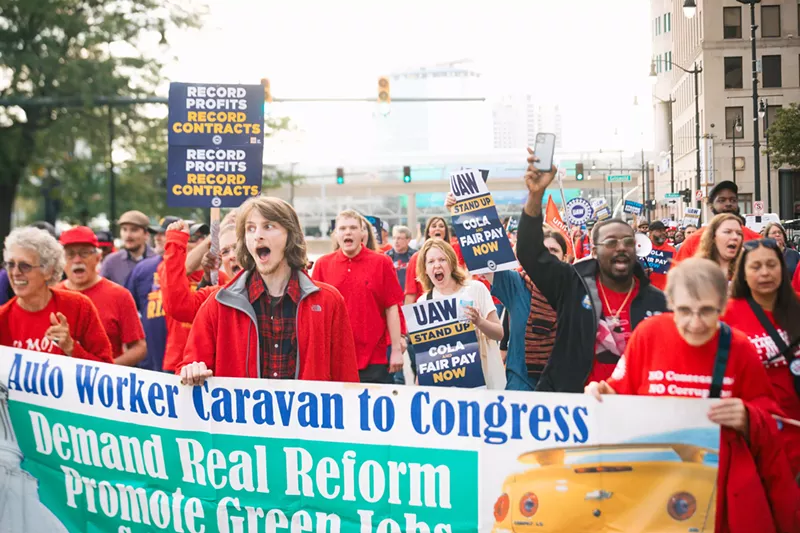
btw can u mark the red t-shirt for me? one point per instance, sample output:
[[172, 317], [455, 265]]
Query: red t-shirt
[[654, 261], [369, 285], [117, 312], [658, 362], [24, 329], [612, 338], [739, 315]]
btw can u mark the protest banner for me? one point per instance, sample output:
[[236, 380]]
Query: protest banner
[[377, 225], [97, 447], [659, 261], [216, 144], [601, 209], [445, 343], [691, 217], [632, 208], [553, 219], [483, 240]]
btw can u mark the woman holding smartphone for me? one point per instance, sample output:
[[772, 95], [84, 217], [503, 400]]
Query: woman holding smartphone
[[441, 277]]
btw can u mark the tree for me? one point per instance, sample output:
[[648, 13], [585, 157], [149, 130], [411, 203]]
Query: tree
[[784, 137], [58, 50]]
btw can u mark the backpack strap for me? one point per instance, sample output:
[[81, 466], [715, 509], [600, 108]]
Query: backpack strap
[[721, 361]]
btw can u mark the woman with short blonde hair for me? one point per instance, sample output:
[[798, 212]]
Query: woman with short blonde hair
[[441, 277]]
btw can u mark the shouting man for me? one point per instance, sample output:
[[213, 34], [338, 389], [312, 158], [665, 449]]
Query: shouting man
[[598, 301]]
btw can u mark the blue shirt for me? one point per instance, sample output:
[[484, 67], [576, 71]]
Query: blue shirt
[[792, 258], [118, 266], [509, 287], [143, 283]]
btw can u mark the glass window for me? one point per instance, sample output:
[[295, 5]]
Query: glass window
[[733, 73], [731, 115], [772, 113], [732, 22], [770, 21], [771, 71], [668, 22]]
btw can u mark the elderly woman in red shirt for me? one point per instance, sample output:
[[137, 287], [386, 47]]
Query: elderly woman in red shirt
[[756, 489], [39, 317]]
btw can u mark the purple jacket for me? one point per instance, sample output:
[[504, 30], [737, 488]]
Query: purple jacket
[[5, 287]]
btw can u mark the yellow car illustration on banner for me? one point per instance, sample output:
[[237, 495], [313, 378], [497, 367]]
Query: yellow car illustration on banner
[[635, 488]]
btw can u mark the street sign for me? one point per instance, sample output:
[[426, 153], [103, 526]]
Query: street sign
[[671, 195], [758, 208], [619, 178], [698, 195]]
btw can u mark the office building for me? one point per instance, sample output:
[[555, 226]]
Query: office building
[[517, 118], [717, 39]]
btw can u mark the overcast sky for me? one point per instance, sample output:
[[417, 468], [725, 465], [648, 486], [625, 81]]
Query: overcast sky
[[590, 57]]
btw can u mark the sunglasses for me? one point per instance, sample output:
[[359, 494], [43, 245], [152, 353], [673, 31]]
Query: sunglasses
[[611, 244], [767, 243], [25, 268]]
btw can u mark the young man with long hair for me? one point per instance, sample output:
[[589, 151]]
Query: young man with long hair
[[271, 321]]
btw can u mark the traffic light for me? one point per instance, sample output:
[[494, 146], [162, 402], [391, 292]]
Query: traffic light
[[579, 171], [340, 176], [384, 96], [406, 174], [686, 195], [267, 91]]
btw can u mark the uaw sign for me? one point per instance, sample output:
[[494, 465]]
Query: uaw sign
[[481, 235], [445, 344], [216, 144], [579, 211]]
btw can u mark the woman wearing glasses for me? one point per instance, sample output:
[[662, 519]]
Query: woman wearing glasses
[[756, 490], [39, 317], [765, 308], [721, 242]]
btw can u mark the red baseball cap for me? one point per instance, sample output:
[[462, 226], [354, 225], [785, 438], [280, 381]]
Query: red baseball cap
[[79, 235]]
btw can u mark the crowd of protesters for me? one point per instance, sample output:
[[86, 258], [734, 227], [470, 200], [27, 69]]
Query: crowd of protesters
[[582, 313]]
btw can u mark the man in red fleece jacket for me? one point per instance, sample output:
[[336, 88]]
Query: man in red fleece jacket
[[271, 321]]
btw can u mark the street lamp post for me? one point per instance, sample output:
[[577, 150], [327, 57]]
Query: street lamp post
[[737, 129], [696, 73], [756, 143], [762, 112]]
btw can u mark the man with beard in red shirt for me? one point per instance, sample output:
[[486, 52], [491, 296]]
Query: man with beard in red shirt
[[659, 260]]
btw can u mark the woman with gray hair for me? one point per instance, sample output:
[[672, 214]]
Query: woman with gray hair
[[39, 317]]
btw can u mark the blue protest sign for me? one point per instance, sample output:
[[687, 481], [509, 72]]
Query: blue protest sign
[[215, 115], [633, 208], [213, 177], [659, 261], [446, 346], [579, 211], [216, 144], [481, 235], [377, 225]]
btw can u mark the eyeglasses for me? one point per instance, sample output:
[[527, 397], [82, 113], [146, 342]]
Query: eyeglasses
[[768, 243], [85, 253], [25, 268], [611, 244], [704, 313]]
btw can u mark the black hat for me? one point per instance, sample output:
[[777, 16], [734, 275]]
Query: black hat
[[48, 227], [105, 239], [163, 224], [657, 225], [199, 228], [723, 186]]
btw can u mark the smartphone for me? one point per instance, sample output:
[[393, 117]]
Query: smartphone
[[544, 149]]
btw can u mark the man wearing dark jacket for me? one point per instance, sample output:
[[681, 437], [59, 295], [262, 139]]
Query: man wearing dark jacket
[[599, 301]]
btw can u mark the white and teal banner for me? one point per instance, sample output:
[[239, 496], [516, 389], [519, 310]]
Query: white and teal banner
[[100, 448]]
